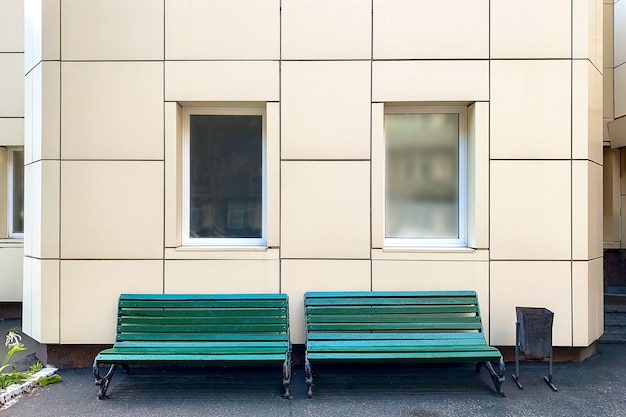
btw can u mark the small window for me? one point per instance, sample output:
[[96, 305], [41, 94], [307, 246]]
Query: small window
[[15, 188], [425, 177], [224, 177]]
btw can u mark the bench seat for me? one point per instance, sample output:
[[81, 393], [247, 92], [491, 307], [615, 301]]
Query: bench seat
[[393, 326], [196, 329]]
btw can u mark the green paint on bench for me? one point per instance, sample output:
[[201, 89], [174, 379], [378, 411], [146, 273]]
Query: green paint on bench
[[162, 329], [402, 326]]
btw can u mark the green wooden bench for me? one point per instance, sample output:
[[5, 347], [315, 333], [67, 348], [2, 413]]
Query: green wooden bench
[[441, 326], [175, 329]]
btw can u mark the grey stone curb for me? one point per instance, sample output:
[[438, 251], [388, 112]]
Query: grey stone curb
[[15, 390]]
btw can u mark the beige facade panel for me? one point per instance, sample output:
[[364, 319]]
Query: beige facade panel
[[325, 209], [174, 170], [11, 85], [12, 26], [4, 224], [42, 32], [272, 153], [43, 112], [222, 276], [173, 174], [44, 304], [551, 34], [44, 188], [11, 259], [430, 81], [611, 201], [326, 29], [430, 254], [246, 29], [531, 210], [587, 30], [607, 93], [619, 34], [111, 210], [586, 111], [587, 228], [607, 36], [325, 110], [587, 302], [97, 93], [530, 284], [405, 29], [620, 88], [221, 81], [300, 276], [388, 275], [478, 175], [378, 175], [112, 30], [86, 321], [27, 303], [11, 132], [196, 253], [525, 91]]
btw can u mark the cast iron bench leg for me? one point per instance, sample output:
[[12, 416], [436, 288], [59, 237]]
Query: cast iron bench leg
[[309, 377], [287, 376], [103, 381], [497, 377]]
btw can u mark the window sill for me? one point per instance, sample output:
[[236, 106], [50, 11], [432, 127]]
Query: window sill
[[431, 254], [12, 242], [221, 252]]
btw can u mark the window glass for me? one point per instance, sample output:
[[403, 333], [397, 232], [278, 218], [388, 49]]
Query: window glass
[[225, 176], [422, 181]]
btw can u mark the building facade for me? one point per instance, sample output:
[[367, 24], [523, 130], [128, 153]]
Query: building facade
[[181, 146]]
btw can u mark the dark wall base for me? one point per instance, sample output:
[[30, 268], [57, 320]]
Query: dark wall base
[[10, 310], [73, 356], [81, 356]]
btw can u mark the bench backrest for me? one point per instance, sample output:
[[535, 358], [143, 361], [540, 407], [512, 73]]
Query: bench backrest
[[202, 317], [348, 314]]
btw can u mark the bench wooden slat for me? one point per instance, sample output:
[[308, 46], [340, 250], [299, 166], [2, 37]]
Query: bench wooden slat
[[390, 326], [388, 294], [320, 345], [178, 358], [387, 301], [183, 321], [204, 350], [201, 336], [229, 328], [394, 309], [394, 318], [392, 336], [201, 304], [204, 312], [423, 356]]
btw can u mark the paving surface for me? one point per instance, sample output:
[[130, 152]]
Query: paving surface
[[595, 387]]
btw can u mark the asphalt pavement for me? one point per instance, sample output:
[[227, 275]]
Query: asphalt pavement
[[595, 387]]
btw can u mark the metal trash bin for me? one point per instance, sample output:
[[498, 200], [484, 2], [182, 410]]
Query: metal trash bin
[[533, 338]]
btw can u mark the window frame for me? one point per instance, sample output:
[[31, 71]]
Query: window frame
[[432, 243], [187, 240], [10, 191]]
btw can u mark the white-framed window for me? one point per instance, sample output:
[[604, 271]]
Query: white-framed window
[[15, 192], [425, 176], [224, 176]]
